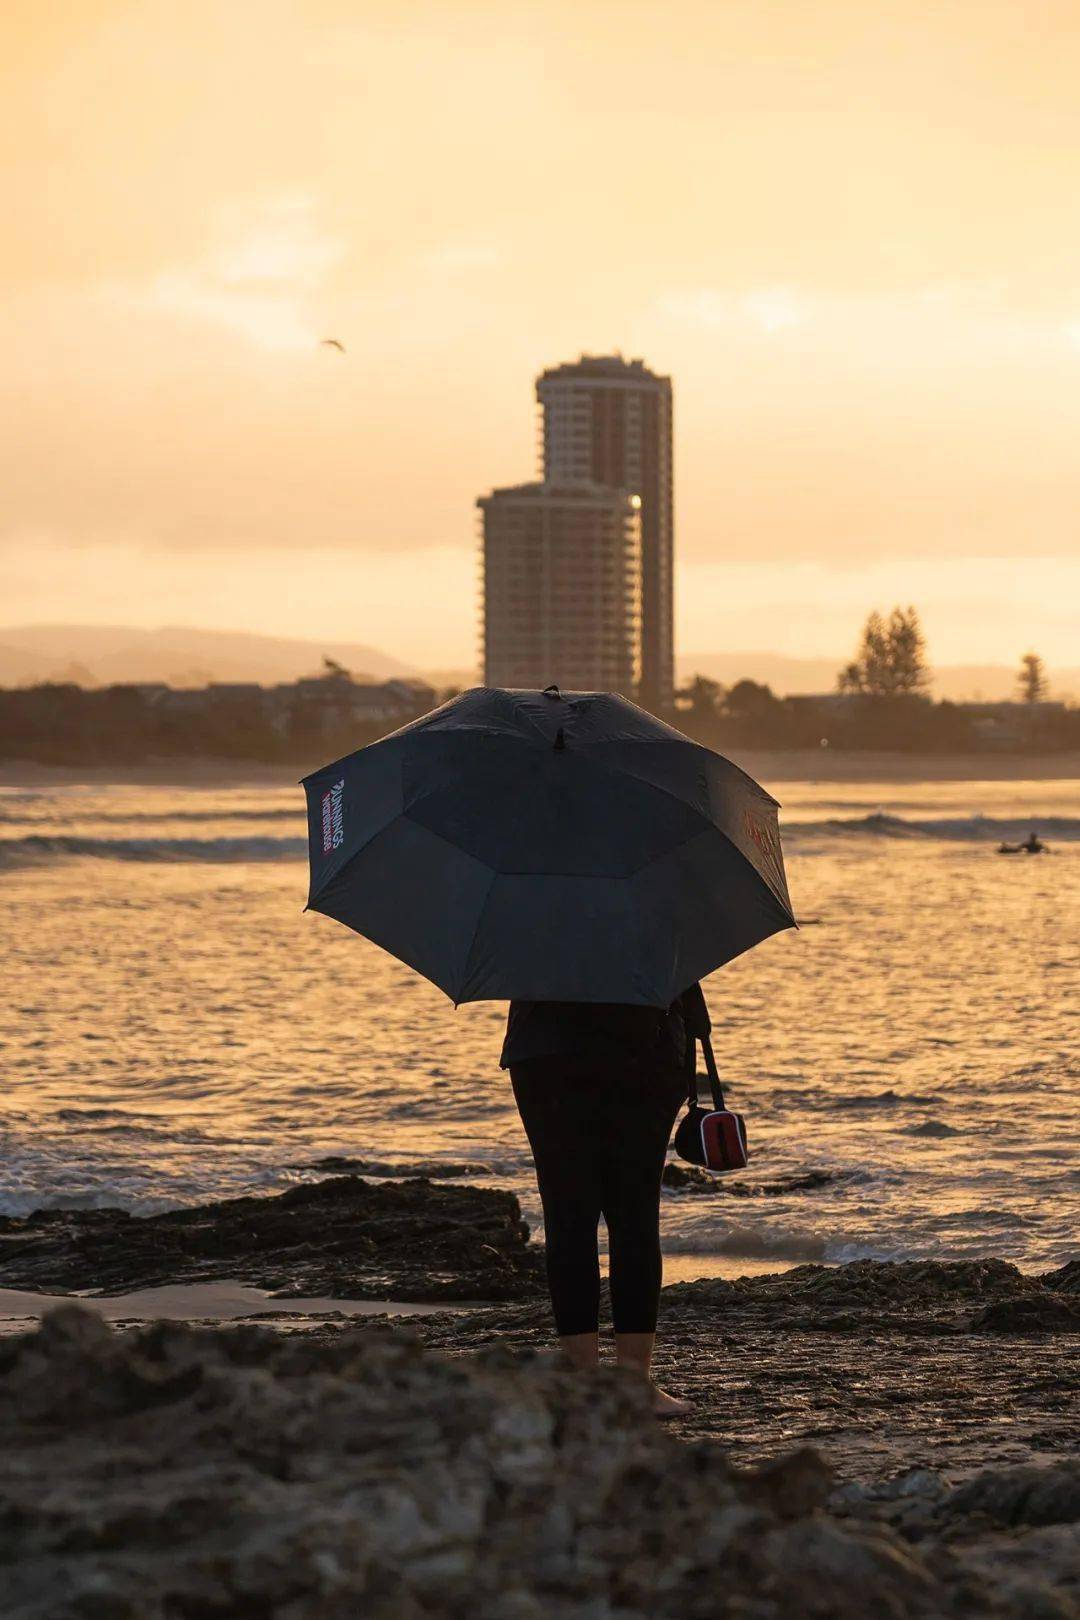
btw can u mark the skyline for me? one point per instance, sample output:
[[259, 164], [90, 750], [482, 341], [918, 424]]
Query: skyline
[[859, 272], [181, 656]]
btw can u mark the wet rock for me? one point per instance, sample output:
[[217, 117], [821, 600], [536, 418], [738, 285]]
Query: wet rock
[[1020, 1496], [875, 1365], [344, 1237], [688, 1178], [428, 1169], [295, 1479], [793, 1485], [1034, 1313], [1065, 1280]]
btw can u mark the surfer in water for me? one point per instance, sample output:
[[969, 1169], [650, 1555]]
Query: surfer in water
[[1032, 845]]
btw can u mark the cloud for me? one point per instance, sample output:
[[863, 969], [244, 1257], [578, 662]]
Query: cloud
[[955, 322], [773, 308], [770, 309], [261, 281], [450, 257], [280, 243]]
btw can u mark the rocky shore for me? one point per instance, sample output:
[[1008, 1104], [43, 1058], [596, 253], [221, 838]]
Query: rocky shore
[[346, 1237], [870, 1439], [182, 1472]]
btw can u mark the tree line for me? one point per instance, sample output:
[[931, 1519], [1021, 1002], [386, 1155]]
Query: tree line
[[882, 700]]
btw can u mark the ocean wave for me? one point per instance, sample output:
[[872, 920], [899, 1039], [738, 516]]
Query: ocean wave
[[396, 1169], [956, 829], [751, 1243], [40, 849], [151, 817]]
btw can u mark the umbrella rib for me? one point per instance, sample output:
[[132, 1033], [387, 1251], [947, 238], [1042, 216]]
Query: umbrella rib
[[784, 904], [621, 770], [472, 942]]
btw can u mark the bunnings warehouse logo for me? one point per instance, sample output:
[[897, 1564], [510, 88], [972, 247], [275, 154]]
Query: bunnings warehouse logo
[[333, 826]]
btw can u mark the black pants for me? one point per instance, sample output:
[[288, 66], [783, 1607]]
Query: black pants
[[599, 1137]]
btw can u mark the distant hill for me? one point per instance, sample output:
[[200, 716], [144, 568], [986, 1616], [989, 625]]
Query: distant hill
[[990, 682], [101, 654], [96, 655]]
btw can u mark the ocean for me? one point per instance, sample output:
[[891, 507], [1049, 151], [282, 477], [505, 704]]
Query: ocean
[[174, 1028]]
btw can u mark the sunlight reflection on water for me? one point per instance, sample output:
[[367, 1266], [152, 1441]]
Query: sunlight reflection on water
[[172, 1028]]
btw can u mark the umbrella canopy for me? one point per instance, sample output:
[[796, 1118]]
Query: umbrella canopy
[[547, 846]]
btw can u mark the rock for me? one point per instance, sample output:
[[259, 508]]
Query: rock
[[1065, 1280], [689, 1178], [427, 1169], [1020, 1496], [1034, 1313], [344, 1237], [873, 1364], [793, 1485], [301, 1480]]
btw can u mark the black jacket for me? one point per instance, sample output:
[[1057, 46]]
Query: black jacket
[[604, 1031]]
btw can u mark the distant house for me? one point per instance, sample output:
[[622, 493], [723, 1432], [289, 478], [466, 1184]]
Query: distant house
[[145, 691], [328, 703], [1010, 724], [235, 692]]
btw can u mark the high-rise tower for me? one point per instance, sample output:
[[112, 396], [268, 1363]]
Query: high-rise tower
[[608, 421], [562, 587]]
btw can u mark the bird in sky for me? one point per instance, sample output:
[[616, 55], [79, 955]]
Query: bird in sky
[[332, 343]]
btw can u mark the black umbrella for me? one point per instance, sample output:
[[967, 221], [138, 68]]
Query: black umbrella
[[548, 847]]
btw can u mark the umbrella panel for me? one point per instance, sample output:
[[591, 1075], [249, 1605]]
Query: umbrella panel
[[538, 809]]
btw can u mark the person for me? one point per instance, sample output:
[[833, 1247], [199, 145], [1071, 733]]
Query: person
[[1033, 844], [598, 1087]]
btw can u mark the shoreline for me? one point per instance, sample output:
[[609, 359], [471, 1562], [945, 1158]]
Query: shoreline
[[224, 1300], [792, 765]]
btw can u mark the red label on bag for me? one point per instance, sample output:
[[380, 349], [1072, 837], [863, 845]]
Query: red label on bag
[[724, 1141]]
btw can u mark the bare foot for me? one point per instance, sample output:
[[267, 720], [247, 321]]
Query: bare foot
[[669, 1406]]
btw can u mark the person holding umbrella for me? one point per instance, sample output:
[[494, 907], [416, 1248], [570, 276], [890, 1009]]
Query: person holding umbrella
[[598, 1088], [590, 864]]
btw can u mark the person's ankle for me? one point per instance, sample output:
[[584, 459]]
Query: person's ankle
[[635, 1350], [582, 1350]]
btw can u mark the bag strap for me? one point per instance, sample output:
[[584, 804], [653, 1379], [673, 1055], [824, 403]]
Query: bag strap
[[711, 1069]]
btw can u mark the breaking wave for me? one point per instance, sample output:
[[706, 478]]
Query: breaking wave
[[39, 849], [230, 813], [738, 1242], [958, 829]]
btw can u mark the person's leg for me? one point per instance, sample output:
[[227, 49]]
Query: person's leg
[[556, 1114], [640, 1112]]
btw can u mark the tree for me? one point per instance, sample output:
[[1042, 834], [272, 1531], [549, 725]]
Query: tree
[[1032, 679], [701, 696], [891, 660], [751, 701], [333, 671]]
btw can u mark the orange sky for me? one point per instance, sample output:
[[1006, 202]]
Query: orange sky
[[848, 230]]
